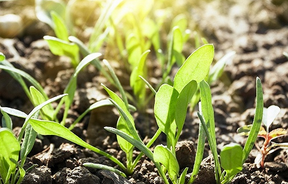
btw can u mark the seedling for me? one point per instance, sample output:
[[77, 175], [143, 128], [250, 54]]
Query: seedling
[[44, 127], [170, 110], [269, 114], [232, 155]]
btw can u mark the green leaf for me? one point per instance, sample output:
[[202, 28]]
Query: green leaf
[[245, 130], [136, 83], [14, 112], [196, 67], [104, 167], [177, 47], [139, 144], [134, 50], [6, 120], [72, 85], [183, 101], [63, 48], [28, 142], [45, 127], [168, 160], [2, 57], [208, 115], [124, 112], [9, 149], [124, 145], [256, 122], [231, 158], [38, 98], [164, 108], [101, 22], [60, 28], [44, 7], [182, 177]]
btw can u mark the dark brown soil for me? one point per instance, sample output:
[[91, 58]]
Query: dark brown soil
[[256, 30]]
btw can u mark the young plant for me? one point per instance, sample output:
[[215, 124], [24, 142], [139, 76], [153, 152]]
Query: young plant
[[269, 114], [48, 113], [43, 127], [11, 147], [170, 110], [232, 155]]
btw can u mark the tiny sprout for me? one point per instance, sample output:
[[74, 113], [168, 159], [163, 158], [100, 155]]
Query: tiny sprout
[[269, 115]]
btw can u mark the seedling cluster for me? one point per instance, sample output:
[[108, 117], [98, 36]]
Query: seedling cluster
[[269, 114], [172, 97]]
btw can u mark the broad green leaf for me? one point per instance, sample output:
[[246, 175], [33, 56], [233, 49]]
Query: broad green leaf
[[60, 28], [182, 103], [28, 142], [231, 161], [231, 158], [136, 83], [196, 67], [38, 98], [45, 127], [9, 149], [269, 114], [44, 7], [134, 50], [164, 108], [256, 122], [63, 48], [2, 56], [6, 120], [168, 160]]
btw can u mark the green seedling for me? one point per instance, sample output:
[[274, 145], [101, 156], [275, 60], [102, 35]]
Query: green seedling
[[269, 114], [171, 103], [45, 127], [11, 147], [232, 155], [57, 15]]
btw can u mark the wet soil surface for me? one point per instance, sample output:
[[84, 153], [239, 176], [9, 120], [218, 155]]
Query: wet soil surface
[[258, 37]]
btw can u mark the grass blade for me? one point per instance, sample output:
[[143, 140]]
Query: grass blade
[[256, 122]]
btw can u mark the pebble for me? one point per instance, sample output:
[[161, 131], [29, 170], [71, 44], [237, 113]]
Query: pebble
[[10, 25]]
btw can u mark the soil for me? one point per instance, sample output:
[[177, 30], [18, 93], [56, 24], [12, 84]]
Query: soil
[[256, 30]]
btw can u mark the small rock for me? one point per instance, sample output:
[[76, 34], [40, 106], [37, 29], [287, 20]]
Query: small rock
[[40, 174], [185, 153], [10, 25]]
